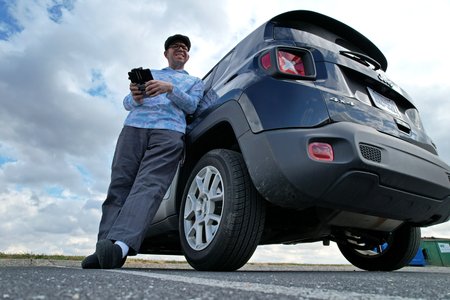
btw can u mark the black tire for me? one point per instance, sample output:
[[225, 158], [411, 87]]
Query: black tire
[[238, 213], [400, 248]]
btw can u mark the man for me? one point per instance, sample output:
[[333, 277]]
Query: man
[[146, 157]]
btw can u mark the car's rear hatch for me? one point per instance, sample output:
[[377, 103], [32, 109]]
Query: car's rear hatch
[[350, 72]]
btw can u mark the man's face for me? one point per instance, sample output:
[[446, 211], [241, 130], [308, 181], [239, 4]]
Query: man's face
[[177, 54]]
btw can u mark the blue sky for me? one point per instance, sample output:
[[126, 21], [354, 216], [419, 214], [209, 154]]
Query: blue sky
[[8, 24], [63, 76]]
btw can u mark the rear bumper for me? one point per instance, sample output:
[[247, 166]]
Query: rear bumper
[[373, 173]]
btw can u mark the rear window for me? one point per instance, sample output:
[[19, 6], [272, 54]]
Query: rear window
[[314, 35]]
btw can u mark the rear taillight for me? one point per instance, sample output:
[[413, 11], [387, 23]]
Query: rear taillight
[[321, 151], [290, 63], [266, 61], [297, 63]]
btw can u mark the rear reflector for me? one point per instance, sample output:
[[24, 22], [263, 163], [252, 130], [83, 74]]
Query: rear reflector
[[321, 151]]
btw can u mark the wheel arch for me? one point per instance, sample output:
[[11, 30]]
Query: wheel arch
[[220, 129]]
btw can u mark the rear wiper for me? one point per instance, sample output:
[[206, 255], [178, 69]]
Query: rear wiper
[[362, 58]]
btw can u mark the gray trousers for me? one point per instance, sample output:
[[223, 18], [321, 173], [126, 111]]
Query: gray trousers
[[144, 164]]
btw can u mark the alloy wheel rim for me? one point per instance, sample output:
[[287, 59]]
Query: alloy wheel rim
[[204, 208]]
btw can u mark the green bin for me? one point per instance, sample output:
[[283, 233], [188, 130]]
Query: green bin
[[436, 251]]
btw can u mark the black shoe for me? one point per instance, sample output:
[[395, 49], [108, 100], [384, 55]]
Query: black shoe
[[90, 262], [109, 255]]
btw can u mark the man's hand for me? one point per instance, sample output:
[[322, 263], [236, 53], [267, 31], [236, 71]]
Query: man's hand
[[157, 87], [138, 96]]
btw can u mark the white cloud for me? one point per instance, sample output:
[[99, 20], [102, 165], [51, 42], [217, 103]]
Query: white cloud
[[59, 136], [314, 253], [42, 224]]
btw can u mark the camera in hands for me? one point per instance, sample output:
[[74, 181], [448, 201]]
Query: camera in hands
[[140, 76]]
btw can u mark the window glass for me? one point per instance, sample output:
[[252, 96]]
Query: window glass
[[314, 35], [212, 82], [222, 69], [208, 80]]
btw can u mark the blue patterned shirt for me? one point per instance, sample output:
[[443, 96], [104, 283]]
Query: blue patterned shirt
[[166, 111]]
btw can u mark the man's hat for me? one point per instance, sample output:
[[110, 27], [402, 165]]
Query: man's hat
[[177, 38]]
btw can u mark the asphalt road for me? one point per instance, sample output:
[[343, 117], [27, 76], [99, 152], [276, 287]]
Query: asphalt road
[[66, 280]]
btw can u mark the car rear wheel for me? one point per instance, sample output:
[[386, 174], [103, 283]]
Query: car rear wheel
[[221, 215], [395, 252]]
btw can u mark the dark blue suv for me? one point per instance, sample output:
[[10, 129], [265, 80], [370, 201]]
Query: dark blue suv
[[301, 137]]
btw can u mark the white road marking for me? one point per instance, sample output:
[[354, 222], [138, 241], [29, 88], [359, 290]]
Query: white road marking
[[262, 288]]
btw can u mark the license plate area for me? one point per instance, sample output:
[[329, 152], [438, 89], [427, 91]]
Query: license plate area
[[384, 103]]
